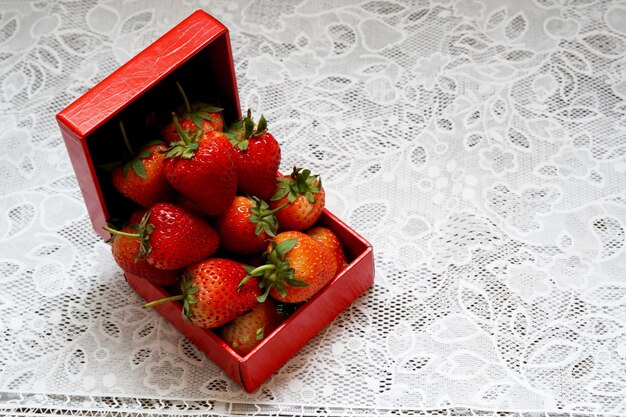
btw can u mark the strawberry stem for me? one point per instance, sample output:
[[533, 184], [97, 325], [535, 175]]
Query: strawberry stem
[[187, 146], [276, 272], [120, 233], [182, 93], [125, 137], [164, 300], [279, 208], [183, 135], [261, 269]]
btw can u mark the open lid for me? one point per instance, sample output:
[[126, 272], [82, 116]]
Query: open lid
[[196, 53]]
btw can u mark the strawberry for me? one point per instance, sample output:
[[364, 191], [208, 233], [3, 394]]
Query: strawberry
[[172, 238], [201, 167], [184, 202], [142, 179], [247, 331], [327, 238], [170, 134], [296, 267], [194, 116], [211, 293], [304, 197], [258, 157], [246, 225], [125, 251], [136, 216]]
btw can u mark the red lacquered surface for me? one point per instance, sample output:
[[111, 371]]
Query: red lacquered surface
[[87, 179]]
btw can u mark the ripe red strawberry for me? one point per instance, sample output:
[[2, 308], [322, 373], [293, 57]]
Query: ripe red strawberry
[[327, 238], [258, 157], [136, 216], [201, 167], [125, 252], [304, 196], [172, 238], [296, 267], [142, 179], [170, 135], [247, 331], [184, 202], [194, 116], [246, 225], [211, 293]]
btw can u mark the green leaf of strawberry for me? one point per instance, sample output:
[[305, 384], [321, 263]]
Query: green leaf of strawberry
[[138, 167], [188, 145], [285, 246], [263, 217], [144, 229], [189, 291], [197, 111], [135, 163], [243, 130], [276, 271], [300, 182], [261, 126], [204, 109]]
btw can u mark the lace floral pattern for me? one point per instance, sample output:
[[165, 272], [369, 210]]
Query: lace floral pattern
[[480, 145]]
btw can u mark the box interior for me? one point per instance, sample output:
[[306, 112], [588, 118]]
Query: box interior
[[202, 78]]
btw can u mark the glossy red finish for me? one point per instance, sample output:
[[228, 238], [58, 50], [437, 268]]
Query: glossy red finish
[[197, 52], [196, 49]]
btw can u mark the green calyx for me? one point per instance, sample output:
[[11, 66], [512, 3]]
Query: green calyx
[[300, 182], [142, 232], [135, 163], [200, 111], [187, 296], [197, 111], [243, 130], [189, 290], [263, 217], [276, 272], [144, 229], [188, 144]]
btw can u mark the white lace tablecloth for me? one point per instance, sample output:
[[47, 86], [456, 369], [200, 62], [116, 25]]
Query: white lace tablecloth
[[480, 145]]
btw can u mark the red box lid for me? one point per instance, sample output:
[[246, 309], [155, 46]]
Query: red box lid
[[196, 53]]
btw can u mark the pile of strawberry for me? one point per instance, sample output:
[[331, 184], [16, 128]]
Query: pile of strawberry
[[234, 239]]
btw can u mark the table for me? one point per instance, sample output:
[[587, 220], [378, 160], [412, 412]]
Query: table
[[480, 145]]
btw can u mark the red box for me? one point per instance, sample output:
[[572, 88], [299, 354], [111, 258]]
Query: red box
[[196, 52]]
